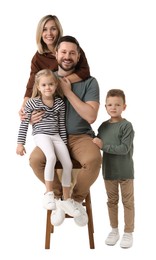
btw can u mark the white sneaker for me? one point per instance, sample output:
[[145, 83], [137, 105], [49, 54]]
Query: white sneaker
[[113, 237], [127, 240], [48, 201], [81, 220], [58, 215], [70, 208]]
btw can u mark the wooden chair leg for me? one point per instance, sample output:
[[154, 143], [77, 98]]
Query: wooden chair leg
[[90, 221], [50, 227], [49, 230]]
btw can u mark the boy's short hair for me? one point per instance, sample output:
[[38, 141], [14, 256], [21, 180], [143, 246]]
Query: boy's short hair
[[116, 93]]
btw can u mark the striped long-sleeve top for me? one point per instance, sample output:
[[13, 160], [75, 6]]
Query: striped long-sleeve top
[[53, 120]]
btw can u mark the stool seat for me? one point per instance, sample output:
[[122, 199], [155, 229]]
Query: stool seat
[[86, 203], [76, 165]]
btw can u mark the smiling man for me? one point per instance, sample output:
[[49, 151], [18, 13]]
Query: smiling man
[[82, 105]]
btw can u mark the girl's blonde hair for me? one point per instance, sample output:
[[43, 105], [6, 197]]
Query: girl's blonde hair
[[46, 73], [42, 47]]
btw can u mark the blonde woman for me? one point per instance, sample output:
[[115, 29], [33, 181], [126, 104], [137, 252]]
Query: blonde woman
[[49, 31]]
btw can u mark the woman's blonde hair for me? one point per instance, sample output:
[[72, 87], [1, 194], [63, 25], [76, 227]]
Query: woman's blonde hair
[[46, 73], [42, 47]]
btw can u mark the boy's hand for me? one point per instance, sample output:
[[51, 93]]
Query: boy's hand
[[98, 142]]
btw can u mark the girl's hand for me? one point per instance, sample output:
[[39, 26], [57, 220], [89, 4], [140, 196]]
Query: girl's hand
[[20, 150]]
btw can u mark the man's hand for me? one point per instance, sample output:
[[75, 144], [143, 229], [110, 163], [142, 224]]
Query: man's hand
[[65, 85], [22, 114], [36, 116]]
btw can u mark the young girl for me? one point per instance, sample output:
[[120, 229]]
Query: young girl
[[115, 139], [50, 136]]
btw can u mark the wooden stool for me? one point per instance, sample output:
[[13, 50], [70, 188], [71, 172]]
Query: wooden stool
[[86, 203]]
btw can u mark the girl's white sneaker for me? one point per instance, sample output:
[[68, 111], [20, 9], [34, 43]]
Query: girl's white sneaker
[[49, 201], [69, 207]]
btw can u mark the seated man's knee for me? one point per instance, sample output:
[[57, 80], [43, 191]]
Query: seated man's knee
[[94, 160], [37, 162], [37, 157]]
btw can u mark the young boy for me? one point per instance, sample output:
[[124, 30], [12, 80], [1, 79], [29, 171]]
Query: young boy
[[115, 139]]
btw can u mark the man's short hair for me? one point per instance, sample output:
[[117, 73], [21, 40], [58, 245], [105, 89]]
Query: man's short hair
[[68, 38]]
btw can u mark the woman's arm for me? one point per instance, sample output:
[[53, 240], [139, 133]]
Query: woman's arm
[[82, 70]]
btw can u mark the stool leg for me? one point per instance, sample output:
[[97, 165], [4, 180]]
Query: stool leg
[[49, 229], [90, 221]]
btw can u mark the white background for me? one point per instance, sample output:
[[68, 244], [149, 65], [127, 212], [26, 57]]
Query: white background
[[119, 40]]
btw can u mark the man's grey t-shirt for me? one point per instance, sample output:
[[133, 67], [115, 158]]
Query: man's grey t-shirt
[[86, 90]]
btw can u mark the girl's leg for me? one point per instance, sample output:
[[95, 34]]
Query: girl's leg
[[63, 156], [68, 205], [37, 162], [46, 145], [44, 142], [66, 193]]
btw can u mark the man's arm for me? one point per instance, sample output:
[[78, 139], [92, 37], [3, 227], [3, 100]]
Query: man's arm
[[87, 110]]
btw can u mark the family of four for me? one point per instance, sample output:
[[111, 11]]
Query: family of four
[[61, 102]]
